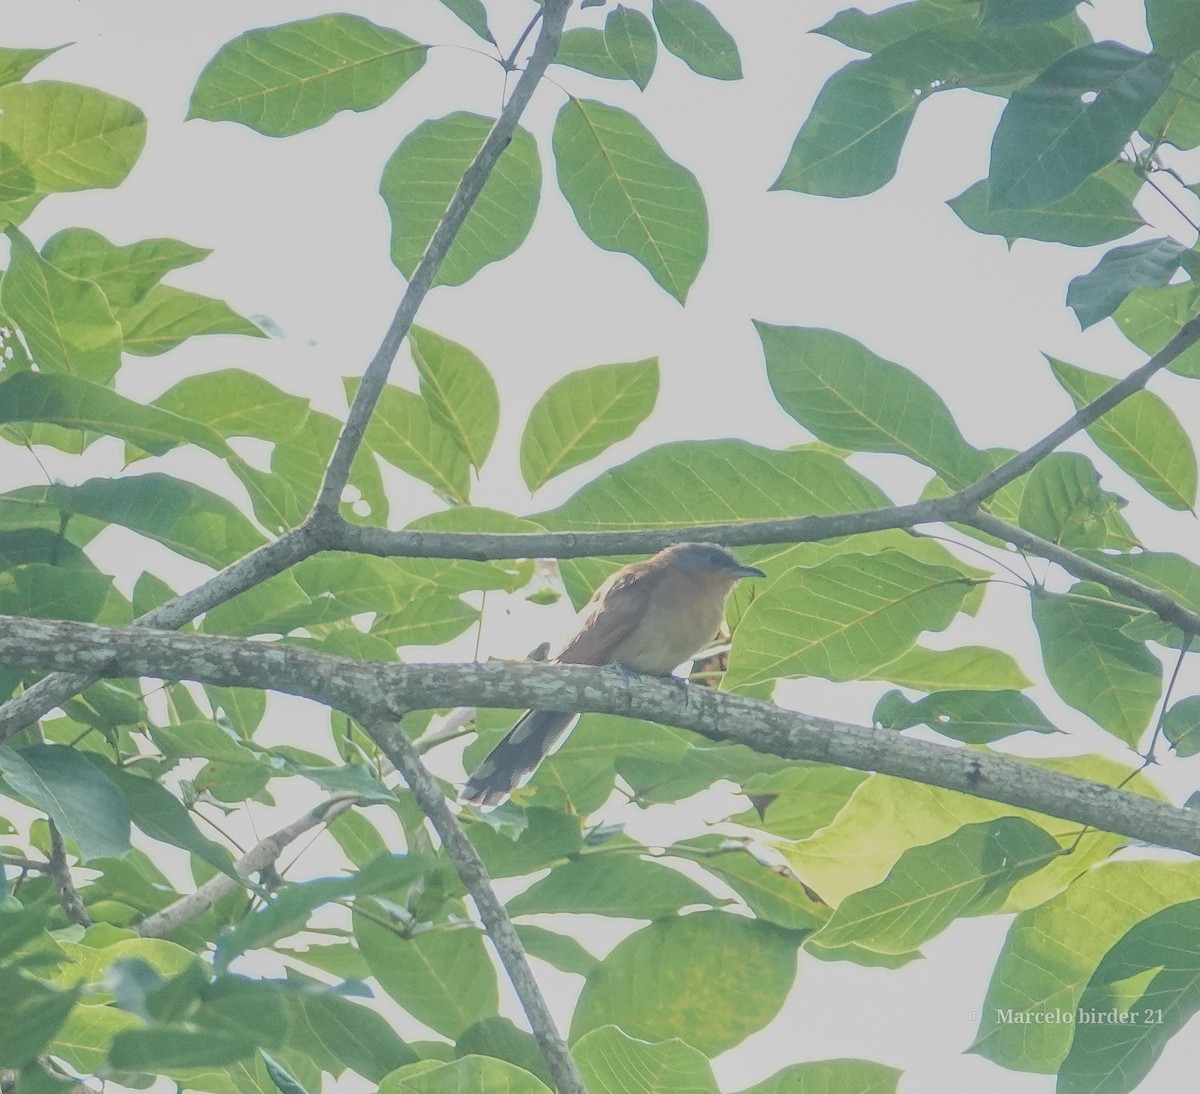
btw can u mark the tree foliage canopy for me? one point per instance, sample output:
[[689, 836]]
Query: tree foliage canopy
[[110, 967]]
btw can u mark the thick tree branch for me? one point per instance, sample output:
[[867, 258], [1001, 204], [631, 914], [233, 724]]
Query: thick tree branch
[[236, 578], [1009, 471], [259, 857], [469, 188], [372, 691], [1167, 609], [400, 751]]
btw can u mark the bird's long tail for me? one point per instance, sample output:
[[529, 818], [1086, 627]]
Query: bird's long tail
[[525, 746]]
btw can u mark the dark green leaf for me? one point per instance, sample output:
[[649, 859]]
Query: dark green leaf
[[1070, 121], [1181, 726], [630, 41], [66, 322], [1094, 667], [292, 77], [1150, 983], [474, 14], [618, 885], [973, 717], [499, 1038], [1141, 435], [966, 873], [1100, 211], [86, 807], [1096, 295], [350, 1035], [690, 31], [583, 48], [628, 195], [421, 177], [1173, 28], [711, 977], [548, 836], [1020, 13], [33, 1013], [560, 950], [850, 398], [583, 414]]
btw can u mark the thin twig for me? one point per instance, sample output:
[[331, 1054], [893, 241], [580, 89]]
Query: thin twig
[[68, 895], [399, 750], [20, 862], [370, 691], [262, 855], [510, 60], [470, 186], [1184, 646]]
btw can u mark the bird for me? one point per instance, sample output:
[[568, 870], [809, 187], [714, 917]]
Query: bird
[[648, 617]]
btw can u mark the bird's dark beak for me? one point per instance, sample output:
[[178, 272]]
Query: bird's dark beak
[[749, 571]]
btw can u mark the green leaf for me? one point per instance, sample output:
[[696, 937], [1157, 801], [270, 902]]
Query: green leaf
[[162, 816], [583, 48], [188, 519], [498, 1038], [933, 884], [34, 1013], [831, 1077], [871, 32], [628, 195], [61, 137], [624, 885], [547, 837], [1070, 121], [428, 620], [711, 977], [16, 64], [630, 41], [843, 618], [85, 1037], [1175, 118], [1094, 667], [797, 801], [1052, 951], [690, 31], [848, 397], [1150, 981], [296, 76], [348, 1035], [422, 176], [679, 484], [1097, 294], [167, 316], [973, 717], [611, 1062], [1181, 726], [1020, 13], [1172, 25], [583, 414], [1150, 318], [1141, 435], [1064, 502], [162, 1047], [460, 391], [964, 667], [75, 403], [560, 950], [441, 976], [474, 14], [124, 274], [86, 807], [66, 322], [237, 404], [470, 1075], [404, 433], [1100, 211]]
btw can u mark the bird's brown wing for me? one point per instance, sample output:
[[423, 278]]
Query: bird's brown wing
[[614, 612]]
